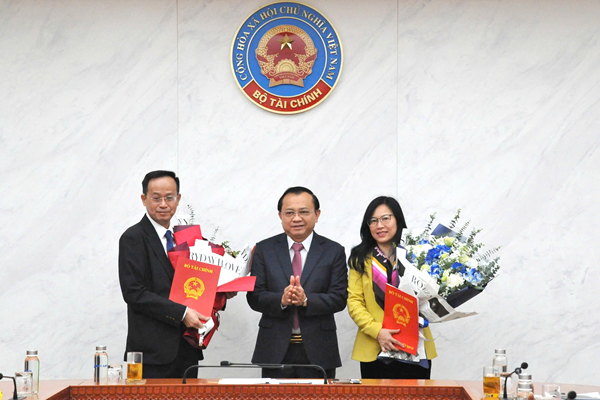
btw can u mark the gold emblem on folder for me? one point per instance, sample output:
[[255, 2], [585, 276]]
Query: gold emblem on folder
[[193, 288], [401, 314]]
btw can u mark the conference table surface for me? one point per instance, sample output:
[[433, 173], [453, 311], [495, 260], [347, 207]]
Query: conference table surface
[[211, 389]]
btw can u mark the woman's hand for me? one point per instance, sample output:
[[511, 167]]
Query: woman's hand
[[386, 341]]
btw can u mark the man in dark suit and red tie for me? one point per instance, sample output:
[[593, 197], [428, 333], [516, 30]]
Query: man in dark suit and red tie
[[155, 323], [301, 282]]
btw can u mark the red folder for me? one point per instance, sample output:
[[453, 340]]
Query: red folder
[[187, 233], [241, 284], [181, 250], [195, 285], [402, 312]]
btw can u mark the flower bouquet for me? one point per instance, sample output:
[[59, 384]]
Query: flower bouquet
[[446, 267], [443, 268], [234, 268]]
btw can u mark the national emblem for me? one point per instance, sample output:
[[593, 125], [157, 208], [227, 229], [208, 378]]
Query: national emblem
[[401, 314], [286, 55], [193, 288]]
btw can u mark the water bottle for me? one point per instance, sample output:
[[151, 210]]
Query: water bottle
[[525, 387], [500, 360], [525, 391], [101, 366], [32, 364]]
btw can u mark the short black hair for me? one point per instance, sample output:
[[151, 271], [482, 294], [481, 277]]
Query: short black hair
[[298, 190], [155, 175]]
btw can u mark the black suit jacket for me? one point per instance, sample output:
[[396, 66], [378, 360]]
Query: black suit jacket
[[325, 281], [154, 322]]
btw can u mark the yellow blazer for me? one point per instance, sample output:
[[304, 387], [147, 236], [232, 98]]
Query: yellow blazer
[[367, 314]]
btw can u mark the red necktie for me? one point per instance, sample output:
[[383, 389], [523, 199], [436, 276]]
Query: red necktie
[[297, 268]]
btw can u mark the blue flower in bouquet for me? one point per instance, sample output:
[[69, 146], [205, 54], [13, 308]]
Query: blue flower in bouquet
[[413, 258], [458, 266], [473, 276], [435, 270], [423, 241], [436, 253]]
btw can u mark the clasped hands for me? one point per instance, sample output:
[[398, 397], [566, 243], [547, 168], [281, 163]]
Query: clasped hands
[[294, 293], [387, 341]]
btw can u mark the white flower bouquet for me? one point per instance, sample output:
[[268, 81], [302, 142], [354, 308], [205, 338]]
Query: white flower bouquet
[[453, 260]]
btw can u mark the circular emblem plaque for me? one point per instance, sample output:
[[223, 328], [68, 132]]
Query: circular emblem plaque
[[286, 57]]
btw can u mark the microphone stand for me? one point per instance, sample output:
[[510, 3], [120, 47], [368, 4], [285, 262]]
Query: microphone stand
[[517, 371], [15, 397]]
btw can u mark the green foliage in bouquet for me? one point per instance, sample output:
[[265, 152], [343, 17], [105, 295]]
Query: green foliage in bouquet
[[192, 215], [225, 244]]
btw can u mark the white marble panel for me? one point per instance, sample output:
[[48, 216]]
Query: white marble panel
[[499, 116], [87, 106]]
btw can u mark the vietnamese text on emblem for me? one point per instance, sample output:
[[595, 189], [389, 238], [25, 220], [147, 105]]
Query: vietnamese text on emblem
[[286, 57]]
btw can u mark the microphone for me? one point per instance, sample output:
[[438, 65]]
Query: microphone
[[15, 397], [227, 364], [246, 365], [517, 371], [196, 367], [572, 395], [278, 366]]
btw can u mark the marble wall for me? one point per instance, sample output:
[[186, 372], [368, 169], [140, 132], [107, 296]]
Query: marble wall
[[489, 106]]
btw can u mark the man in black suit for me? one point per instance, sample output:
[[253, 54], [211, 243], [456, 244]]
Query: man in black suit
[[155, 323], [301, 281]]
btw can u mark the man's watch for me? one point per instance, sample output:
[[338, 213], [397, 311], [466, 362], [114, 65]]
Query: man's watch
[[305, 302]]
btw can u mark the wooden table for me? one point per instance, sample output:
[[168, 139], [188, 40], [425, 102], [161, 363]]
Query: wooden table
[[173, 389]]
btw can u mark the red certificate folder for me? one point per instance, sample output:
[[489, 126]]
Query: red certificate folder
[[187, 233], [241, 284], [402, 312], [195, 285]]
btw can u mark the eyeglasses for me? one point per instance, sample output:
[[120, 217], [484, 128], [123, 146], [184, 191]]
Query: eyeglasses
[[167, 199], [385, 219], [292, 214]]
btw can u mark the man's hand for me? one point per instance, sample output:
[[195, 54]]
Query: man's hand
[[386, 341], [193, 319], [298, 295], [286, 299], [230, 295]]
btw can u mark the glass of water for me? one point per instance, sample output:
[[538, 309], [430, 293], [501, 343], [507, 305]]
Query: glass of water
[[551, 391], [24, 381]]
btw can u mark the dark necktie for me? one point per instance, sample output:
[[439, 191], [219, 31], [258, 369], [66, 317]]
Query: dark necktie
[[297, 268], [170, 243]]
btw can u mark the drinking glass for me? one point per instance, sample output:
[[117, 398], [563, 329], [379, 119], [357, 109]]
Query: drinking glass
[[115, 373], [491, 381], [24, 381], [134, 367], [551, 391]]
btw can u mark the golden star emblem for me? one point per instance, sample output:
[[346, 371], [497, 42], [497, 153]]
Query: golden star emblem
[[286, 42]]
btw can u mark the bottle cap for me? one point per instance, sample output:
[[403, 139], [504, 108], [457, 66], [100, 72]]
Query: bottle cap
[[32, 352], [500, 351], [100, 347]]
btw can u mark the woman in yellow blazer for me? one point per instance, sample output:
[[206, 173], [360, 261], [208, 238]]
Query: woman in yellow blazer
[[370, 270]]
